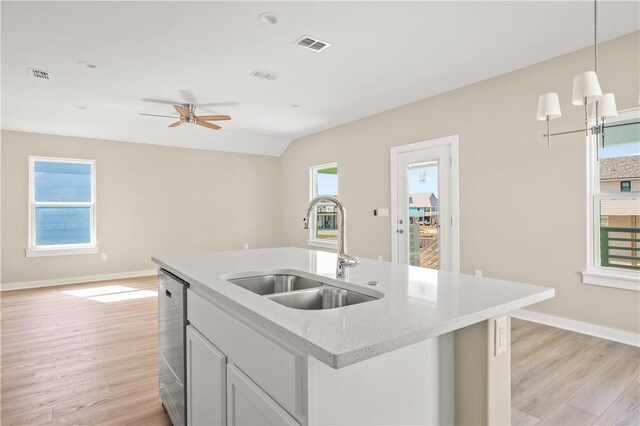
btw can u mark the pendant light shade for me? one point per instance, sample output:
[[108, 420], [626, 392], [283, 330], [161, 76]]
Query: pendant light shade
[[586, 88], [607, 106], [548, 107], [586, 94]]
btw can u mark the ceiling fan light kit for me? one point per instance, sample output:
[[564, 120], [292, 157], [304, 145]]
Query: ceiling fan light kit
[[587, 93]]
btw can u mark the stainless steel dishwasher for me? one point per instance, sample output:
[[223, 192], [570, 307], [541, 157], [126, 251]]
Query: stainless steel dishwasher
[[172, 320]]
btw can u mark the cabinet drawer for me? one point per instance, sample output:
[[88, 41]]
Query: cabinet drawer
[[273, 368]]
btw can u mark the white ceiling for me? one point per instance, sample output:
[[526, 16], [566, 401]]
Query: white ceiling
[[383, 55]]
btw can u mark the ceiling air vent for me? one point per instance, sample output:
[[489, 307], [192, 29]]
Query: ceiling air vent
[[312, 43], [39, 74], [267, 75]]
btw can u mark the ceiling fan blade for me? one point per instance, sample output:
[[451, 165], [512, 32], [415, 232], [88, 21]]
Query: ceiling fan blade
[[182, 110], [213, 117], [209, 125], [176, 124], [159, 101], [158, 115]]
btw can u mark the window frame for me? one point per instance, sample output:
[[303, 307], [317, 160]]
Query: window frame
[[595, 273], [313, 241], [35, 250]]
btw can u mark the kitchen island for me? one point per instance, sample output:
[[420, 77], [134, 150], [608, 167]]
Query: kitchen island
[[417, 348]]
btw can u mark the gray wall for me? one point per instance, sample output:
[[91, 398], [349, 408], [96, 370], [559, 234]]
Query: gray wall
[[151, 200], [522, 206]]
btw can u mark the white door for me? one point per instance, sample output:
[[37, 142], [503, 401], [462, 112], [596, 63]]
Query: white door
[[248, 404], [206, 381], [424, 203]]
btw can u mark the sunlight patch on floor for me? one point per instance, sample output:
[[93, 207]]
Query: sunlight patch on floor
[[129, 295], [111, 293], [96, 291]]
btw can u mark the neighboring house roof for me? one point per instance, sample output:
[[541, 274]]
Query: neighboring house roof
[[620, 168], [423, 199]]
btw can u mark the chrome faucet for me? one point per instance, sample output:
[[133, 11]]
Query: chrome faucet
[[344, 260]]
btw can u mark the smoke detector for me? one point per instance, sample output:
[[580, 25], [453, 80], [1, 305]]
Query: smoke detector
[[267, 75], [312, 43], [39, 74]]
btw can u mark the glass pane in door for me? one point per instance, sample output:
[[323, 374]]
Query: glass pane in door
[[423, 227]]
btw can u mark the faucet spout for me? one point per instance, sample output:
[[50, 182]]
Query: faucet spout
[[344, 260]]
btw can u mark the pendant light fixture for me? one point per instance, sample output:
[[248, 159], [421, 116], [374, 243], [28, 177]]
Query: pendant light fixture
[[586, 93]]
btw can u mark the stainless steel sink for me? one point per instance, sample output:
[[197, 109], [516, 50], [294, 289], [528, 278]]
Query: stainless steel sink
[[297, 291], [275, 283], [326, 297]]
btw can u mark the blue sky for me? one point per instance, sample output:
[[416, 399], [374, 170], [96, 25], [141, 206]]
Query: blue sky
[[620, 150], [327, 184], [424, 179]]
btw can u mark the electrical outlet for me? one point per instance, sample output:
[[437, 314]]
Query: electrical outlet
[[383, 212], [478, 273], [500, 335], [103, 256], [246, 246], [379, 257]]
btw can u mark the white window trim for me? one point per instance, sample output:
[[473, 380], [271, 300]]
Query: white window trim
[[313, 241], [596, 274], [33, 249]]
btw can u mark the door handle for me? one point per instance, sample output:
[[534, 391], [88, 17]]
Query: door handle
[[400, 231]]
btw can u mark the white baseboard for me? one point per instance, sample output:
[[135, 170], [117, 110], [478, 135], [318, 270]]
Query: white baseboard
[[613, 334], [75, 280]]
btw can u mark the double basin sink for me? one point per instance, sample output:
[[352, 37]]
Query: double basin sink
[[299, 292]]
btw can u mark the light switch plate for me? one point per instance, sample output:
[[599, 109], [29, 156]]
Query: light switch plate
[[500, 335]]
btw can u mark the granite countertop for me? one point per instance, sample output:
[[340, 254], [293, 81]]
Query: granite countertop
[[418, 303]]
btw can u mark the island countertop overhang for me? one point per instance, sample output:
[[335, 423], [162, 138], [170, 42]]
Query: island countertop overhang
[[418, 303]]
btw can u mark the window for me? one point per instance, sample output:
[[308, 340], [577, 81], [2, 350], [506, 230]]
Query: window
[[61, 206], [614, 237], [324, 223]]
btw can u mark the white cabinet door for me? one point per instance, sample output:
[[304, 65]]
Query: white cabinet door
[[206, 381], [247, 404]]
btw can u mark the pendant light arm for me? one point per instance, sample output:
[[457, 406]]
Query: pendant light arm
[[595, 34]]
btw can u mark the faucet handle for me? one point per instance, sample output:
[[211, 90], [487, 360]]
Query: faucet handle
[[348, 261]]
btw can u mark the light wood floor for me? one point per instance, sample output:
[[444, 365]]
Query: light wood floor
[[68, 359], [71, 359], [565, 378]]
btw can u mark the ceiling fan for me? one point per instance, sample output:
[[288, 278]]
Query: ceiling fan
[[188, 117]]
